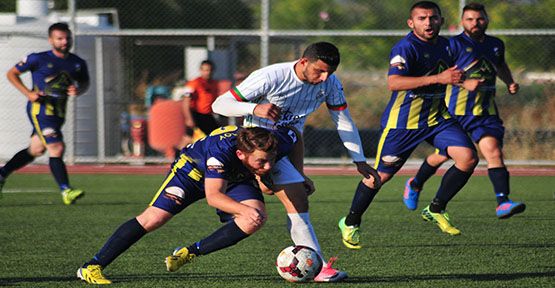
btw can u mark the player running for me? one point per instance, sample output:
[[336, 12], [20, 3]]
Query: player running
[[483, 59], [420, 67], [57, 74], [221, 167]]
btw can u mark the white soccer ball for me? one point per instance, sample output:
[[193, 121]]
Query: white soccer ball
[[298, 264]]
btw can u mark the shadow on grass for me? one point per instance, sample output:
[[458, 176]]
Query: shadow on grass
[[472, 277], [12, 281]]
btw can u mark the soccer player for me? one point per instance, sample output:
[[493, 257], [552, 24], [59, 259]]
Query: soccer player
[[57, 74], [284, 94], [420, 67], [221, 167], [483, 59]]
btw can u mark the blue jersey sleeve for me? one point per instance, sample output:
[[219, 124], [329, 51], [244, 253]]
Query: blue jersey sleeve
[[399, 59], [29, 63]]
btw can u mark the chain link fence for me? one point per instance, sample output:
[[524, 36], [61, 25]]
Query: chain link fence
[[138, 50]]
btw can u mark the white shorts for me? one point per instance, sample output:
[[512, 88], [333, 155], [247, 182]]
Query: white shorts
[[285, 173]]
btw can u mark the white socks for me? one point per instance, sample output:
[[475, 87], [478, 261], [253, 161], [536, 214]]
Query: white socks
[[302, 232]]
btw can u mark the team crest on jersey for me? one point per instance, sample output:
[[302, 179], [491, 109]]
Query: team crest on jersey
[[214, 165], [468, 49], [49, 65], [321, 93], [391, 160], [496, 51], [481, 69], [175, 194], [398, 62], [77, 67]]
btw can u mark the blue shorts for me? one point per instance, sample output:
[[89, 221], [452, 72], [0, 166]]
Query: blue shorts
[[479, 126], [396, 145], [46, 124], [179, 191]]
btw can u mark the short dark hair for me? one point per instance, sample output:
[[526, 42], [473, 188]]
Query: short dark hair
[[256, 138], [60, 26], [475, 7], [207, 62], [424, 5], [324, 51]]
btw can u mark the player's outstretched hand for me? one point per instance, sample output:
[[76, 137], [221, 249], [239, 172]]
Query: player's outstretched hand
[[268, 111], [513, 88], [368, 172]]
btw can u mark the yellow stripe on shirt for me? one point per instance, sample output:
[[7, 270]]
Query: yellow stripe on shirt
[[395, 110], [414, 113], [462, 100]]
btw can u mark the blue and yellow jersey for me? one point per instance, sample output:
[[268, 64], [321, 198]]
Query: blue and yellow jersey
[[425, 106], [214, 156], [479, 60], [53, 75]]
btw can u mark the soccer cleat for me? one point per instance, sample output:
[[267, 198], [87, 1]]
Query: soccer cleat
[[180, 257], [70, 195], [509, 208], [410, 196], [329, 274], [92, 274], [349, 234], [442, 221]]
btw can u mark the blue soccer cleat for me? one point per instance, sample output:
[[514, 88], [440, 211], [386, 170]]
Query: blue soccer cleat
[[410, 196], [509, 208]]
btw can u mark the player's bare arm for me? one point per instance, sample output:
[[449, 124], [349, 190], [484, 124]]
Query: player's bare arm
[[504, 73], [449, 76], [215, 196], [187, 115], [13, 77]]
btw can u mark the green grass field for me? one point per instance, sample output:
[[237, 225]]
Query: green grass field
[[43, 242]]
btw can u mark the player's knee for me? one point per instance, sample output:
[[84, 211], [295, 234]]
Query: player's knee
[[152, 219], [468, 162], [36, 151], [249, 226]]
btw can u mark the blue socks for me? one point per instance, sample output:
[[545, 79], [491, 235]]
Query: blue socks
[[499, 177], [424, 173], [362, 199], [451, 183], [19, 160], [228, 235], [58, 169], [125, 236]]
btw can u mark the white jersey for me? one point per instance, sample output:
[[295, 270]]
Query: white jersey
[[278, 84]]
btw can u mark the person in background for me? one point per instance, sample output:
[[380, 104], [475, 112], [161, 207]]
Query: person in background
[[57, 74]]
